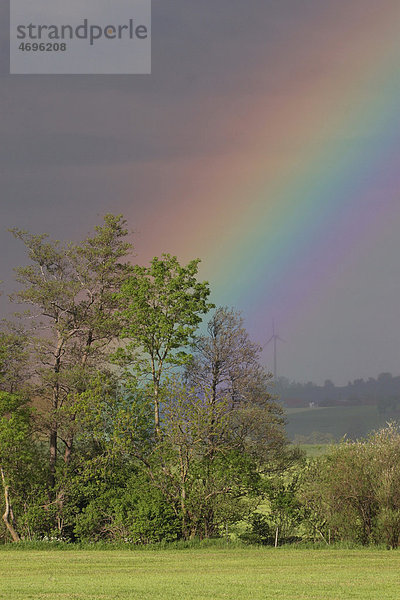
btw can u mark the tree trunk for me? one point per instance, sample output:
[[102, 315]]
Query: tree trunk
[[53, 457], [56, 403], [183, 509], [86, 352], [68, 450], [157, 411], [8, 513], [84, 360], [209, 524], [156, 387]]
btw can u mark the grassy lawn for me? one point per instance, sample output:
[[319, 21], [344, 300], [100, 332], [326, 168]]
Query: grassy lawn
[[235, 574]]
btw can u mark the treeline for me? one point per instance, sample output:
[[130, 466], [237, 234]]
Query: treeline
[[123, 418], [119, 419], [383, 392]]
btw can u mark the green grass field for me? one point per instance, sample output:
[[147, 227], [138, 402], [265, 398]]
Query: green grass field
[[212, 574], [352, 421], [314, 450]]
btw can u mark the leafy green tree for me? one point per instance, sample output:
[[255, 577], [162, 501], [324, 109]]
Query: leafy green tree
[[285, 506], [109, 493], [18, 453], [71, 289], [14, 358], [225, 373], [19, 461], [163, 307]]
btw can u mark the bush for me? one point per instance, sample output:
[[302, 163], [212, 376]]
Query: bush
[[259, 532], [137, 514], [354, 490]]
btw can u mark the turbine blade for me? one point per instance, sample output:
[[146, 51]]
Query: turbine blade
[[269, 341]]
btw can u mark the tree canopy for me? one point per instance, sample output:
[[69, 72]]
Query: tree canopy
[[131, 411]]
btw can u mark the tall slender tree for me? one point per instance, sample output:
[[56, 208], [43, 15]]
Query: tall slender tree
[[71, 289], [163, 307]]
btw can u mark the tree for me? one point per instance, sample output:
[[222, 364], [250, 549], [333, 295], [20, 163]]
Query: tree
[[226, 362], [221, 429], [17, 448], [203, 470], [18, 457], [71, 289], [14, 358], [134, 453], [163, 304]]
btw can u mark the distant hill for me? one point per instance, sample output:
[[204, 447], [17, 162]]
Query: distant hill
[[323, 413]]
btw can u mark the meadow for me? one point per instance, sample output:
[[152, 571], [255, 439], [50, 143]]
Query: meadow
[[216, 573], [314, 450], [351, 421]]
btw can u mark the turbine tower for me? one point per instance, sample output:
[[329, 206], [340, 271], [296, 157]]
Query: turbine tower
[[275, 338]]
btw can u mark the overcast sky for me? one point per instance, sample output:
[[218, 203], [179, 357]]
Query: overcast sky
[[75, 147]]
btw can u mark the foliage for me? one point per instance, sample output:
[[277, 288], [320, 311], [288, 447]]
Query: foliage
[[133, 453], [205, 472], [259, 530], [21, 467], [163, 304], [135, 513], [354, 489], [14, 357], [71, 289]]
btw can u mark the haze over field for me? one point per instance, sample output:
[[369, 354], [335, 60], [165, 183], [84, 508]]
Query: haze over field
[[266, 142]]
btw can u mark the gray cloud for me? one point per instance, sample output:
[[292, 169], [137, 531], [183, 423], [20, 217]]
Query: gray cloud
[[64, 141]]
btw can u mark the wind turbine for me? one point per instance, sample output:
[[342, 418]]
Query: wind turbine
[[275, 338]]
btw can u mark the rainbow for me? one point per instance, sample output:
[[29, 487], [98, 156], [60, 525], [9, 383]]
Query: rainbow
[[311, 178]]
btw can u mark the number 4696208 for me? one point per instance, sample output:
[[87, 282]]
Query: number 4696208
[[42, 47]]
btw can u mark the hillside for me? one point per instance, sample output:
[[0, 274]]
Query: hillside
[[337, 421]]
